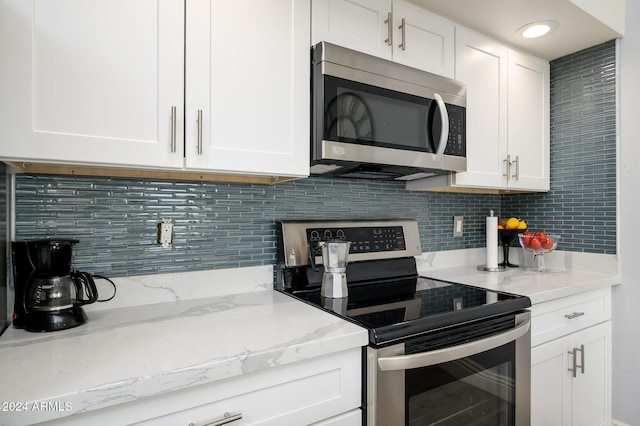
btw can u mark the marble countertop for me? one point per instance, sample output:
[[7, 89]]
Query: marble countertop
[[133, 352], [167, 332], [568, 273], [539, 287]]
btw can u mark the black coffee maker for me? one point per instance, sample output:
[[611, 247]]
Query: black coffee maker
[[48, 294]]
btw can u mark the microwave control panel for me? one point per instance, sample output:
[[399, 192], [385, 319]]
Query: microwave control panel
[[457, 138]]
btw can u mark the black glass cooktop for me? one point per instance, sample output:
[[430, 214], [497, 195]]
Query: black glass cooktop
[[398, 309]]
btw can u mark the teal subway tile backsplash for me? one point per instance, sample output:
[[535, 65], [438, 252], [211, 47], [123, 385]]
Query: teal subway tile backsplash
[[581, 205], [220, 225]]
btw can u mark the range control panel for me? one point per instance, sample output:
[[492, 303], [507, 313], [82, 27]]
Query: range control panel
[[363, 239], [371, 239]]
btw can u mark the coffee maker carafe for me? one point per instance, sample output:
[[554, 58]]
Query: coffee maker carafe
[[48, 294]]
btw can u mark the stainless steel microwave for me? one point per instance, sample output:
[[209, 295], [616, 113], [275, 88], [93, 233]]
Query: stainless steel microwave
[[373, 118]]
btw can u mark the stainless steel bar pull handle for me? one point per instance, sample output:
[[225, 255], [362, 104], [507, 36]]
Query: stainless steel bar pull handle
[[199, 132], [389, 23], [581, 366], [507, 167], [402, 27], [574, 354], [173, 128], [574, 315], [228, 418], [517, 167]]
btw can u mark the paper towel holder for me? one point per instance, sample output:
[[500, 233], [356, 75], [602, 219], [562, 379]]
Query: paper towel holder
[[492, 235]]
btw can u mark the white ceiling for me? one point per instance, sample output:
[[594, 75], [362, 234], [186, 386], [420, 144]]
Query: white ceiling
[[500, 19]]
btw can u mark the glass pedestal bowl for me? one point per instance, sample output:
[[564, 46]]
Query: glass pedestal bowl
[[539, 247]]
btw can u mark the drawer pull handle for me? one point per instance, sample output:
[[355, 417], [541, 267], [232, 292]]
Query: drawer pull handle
[[574, 315], [228, 418]]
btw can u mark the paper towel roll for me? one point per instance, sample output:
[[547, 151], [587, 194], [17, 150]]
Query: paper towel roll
[[492, 241]]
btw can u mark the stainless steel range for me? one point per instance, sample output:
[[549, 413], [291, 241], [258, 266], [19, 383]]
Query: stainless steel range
[[439, 352]]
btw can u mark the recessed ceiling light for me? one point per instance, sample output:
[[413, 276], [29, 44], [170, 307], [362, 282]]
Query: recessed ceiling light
[[537, 29]]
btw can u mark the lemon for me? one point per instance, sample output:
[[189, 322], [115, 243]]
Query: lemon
[[512, 223], [522, 225]]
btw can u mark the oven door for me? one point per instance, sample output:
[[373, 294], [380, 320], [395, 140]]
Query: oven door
[[479, 382]]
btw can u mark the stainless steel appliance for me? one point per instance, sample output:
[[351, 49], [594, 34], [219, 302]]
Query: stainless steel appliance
[[374, 118], [439, 352], [48, 295], [335, 255], [4, 231]]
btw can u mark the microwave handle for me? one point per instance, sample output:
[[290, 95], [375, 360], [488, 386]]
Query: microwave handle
[[444, 135], [439, 356]]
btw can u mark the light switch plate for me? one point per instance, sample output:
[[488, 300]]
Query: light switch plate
[[457, 226]]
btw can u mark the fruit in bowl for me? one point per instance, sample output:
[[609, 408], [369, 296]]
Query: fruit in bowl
[[511, 223], [508, 229], [538, 243]]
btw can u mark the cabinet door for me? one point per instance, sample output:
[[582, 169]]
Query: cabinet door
[[92, 81], [528, 122], [247, 75], [558, 398], [360, 25], [592, 387], [422, 40], [551, 384], [482, 64]]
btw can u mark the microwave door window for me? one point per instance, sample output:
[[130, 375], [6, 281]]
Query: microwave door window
[[348, 119], [363, 114]]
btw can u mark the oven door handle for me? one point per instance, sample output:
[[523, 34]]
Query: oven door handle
[[439, 356]]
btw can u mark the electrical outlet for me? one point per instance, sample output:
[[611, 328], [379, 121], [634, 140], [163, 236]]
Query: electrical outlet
[[458, 304], [457, 226], [165, 232]]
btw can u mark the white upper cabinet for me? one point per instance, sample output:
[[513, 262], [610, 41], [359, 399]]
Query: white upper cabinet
[[92, 81], [105, 83], [391, 30], [482, 64], [423, 40], [361, 25], [507, 119], [247, 76], [528, 122]]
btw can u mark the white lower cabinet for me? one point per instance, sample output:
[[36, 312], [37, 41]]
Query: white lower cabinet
[[571, 374], [324, 391]]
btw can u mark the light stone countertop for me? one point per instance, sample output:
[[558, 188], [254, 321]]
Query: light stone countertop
[[128, 353], [568, 273], [167, 332]]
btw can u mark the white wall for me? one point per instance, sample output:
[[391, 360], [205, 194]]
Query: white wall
[[626, 297]]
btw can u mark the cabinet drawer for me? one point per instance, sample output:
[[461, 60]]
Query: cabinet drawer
[[300, 393], [557, 318]]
